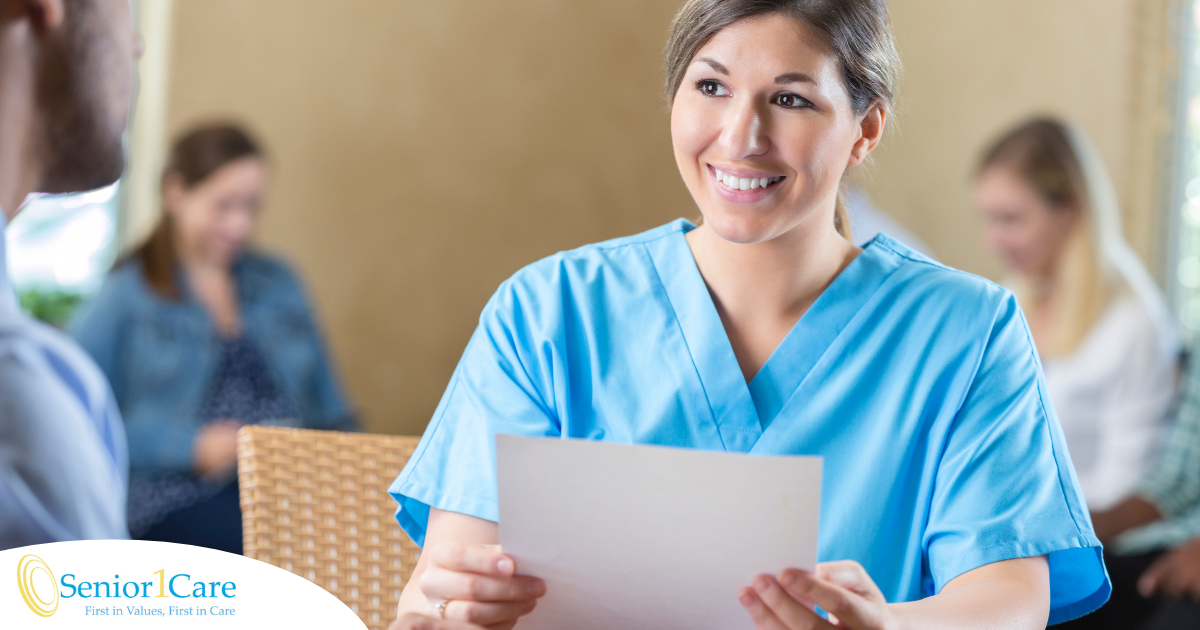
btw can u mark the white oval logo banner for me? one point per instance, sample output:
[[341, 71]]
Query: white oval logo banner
[[135, 583]]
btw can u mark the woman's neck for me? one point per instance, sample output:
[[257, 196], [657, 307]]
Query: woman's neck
[[1043, 295], [780, 277], [214, 287], [1043, 288], [761, 290]]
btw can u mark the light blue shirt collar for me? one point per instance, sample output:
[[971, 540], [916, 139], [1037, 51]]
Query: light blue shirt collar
[[8, 296]]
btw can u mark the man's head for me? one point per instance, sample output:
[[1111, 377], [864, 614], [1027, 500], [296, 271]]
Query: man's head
[[84, 88]]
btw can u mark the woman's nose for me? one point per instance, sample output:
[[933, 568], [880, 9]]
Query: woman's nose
[[745, 132]]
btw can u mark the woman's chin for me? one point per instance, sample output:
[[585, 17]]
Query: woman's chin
[[743, 230]]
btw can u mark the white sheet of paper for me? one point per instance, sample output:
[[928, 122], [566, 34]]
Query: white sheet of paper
[[643, 537]]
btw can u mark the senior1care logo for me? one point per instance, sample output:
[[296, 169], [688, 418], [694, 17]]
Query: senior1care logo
[[124, 584]]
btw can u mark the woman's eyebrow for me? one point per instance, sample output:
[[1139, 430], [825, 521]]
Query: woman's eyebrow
[[715, 65], [793, 77], [783, 79]]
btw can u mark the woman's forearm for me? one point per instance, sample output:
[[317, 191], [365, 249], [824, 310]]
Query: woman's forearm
[[1012, 594], [443, 527], [412, 600]]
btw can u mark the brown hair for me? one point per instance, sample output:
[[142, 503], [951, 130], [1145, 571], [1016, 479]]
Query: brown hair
[[858, 31], [194, 157], [1042, 154]]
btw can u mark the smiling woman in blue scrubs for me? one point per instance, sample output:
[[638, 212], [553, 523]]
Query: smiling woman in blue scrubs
[[949, 500]]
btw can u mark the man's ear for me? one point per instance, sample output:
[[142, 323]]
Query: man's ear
[[46, 15], [871, 128]]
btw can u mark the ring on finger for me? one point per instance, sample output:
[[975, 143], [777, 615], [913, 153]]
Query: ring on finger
[[441, 608]]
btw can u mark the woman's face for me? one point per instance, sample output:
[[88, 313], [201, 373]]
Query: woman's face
[[215, 218], [1020, 225], [764, 128]]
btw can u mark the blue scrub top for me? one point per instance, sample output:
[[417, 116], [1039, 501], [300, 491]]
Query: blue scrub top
[[918, 384]]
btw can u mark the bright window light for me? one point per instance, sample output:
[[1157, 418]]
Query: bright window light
[[60, 247]]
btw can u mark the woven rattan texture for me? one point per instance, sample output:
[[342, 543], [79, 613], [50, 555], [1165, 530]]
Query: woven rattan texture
[[315, 503]]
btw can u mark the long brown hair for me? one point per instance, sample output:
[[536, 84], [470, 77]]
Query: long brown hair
[[858, 31], [195, 156]]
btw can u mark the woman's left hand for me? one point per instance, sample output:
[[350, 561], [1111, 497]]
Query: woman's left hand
[[843, 589]]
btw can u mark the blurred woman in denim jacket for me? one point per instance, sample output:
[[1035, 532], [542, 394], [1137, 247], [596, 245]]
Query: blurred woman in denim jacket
[[199, 336]]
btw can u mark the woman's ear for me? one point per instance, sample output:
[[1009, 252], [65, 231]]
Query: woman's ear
[[870, 129]]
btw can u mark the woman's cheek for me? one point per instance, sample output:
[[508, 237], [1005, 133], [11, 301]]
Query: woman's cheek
[[693, 127], [817, 158]]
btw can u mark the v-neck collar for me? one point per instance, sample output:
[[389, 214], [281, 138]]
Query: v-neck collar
[[795, 357], [743, 411]]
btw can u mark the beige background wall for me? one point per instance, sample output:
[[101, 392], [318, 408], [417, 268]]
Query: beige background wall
[[424, 151], [973, 68]]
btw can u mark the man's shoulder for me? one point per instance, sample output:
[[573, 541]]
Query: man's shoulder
[[35, 357]]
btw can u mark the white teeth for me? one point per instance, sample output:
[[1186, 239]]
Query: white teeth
[[742, 183]]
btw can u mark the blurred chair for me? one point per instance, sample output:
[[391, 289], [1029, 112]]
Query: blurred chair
[[315, 503]]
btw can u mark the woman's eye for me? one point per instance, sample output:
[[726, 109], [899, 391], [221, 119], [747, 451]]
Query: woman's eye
[[788, 100], [708, 87]]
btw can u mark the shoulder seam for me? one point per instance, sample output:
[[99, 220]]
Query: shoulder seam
[[626, 241], [937, 265]]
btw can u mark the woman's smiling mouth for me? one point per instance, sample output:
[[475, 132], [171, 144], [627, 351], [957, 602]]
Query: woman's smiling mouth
[[743, 187]]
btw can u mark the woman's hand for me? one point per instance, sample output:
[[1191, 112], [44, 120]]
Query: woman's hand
[[843, 589], [214, 453], [478, 584]]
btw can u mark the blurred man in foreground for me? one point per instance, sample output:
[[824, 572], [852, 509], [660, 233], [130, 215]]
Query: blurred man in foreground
[[67, 69], [66, 86]]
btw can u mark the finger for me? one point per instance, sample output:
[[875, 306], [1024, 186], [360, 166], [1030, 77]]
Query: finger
[[440, 584], [764, 618], [792, 613], [483, 559], [1148, 584], [413, 621], [849, 607], [852, 576], [1186, 580], [1171, 582], [488, 613]]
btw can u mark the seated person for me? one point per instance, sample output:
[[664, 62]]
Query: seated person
[[199, 336], [1153, 537], [68, 77], [949, 500], [1101, 326]]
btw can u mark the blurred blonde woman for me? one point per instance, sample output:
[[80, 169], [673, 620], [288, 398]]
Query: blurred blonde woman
[[1098, 320]]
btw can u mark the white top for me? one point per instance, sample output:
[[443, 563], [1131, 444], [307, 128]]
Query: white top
[[1113, 395]]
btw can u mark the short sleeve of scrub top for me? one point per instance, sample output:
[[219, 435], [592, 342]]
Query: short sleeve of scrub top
[[902, 370]]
